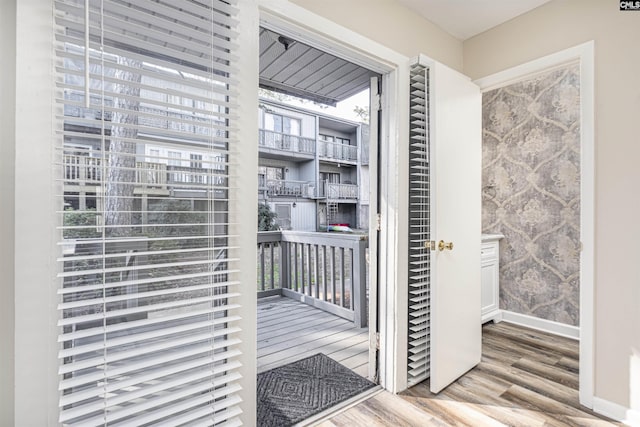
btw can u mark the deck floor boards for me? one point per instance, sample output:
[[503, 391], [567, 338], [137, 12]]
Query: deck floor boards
[[526, 378], [289, 330]]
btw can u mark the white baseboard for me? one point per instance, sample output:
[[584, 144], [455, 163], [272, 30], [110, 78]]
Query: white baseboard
[[616, 412], [543, 325], [633, 418]]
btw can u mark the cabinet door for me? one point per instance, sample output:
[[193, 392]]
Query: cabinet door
[[489, 296]]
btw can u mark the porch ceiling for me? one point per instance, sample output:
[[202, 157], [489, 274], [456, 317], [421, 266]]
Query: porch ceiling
[[294, 68]]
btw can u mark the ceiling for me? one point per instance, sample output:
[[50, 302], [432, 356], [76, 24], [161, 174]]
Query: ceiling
[[466, 18], [294, 68]]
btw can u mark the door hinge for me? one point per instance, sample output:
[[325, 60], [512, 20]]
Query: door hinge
[[377, 340], [378, 222]]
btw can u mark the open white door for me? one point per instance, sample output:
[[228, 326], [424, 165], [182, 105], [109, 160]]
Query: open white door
[[444, 332], [374, 208], [456, 153]]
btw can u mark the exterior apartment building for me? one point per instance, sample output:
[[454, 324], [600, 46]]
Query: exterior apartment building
[[313, 168]]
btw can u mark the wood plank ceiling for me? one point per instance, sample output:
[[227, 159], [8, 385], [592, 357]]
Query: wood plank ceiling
[[294, 68]]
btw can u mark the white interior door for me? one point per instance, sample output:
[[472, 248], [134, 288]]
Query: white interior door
[[456, 343]]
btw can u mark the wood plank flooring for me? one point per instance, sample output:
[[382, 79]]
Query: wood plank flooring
[[289, 330], [526, 378]]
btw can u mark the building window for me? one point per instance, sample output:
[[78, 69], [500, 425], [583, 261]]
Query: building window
[[196, 161], [154, 155], [282, 124], [175, 158], [331, 138], [283, 216], [330, 177], [269, 172]]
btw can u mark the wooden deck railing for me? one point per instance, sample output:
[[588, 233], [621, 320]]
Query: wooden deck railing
[[79, 169], [87, 170], [324, 270]]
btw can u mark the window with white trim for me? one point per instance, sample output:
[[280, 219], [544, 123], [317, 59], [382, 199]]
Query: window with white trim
[[282, 124], [175, 158], [145, 290]]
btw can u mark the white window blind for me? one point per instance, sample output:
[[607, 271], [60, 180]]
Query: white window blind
[[147, 336], [418, 363]]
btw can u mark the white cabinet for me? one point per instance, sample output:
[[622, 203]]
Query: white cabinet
[[490, 277]]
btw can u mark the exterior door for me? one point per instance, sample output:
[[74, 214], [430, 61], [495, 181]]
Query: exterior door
[[456, 344]]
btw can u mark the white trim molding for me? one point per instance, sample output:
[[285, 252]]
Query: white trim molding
[[616, 412], [549, 326], [584, 54]]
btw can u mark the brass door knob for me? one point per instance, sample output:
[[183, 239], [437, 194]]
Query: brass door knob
[[442, 245]]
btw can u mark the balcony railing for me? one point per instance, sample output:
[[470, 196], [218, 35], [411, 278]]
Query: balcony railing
[[188, 175], [284, 142], [288, 188], [337, 151], [325, 270], [338, 191], [88, 171]]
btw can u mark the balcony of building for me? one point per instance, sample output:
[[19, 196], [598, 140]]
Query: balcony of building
[[85, 172], [344, 193], [286, 188], [276, 145], [312, 297], [337, 152], [325, 270]]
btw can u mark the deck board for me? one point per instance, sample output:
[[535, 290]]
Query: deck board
[[289, 330]]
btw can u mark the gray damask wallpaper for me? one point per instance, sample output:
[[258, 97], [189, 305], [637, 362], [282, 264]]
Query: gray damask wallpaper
[[531, 192]]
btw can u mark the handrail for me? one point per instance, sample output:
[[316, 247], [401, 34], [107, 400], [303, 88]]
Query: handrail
[[285, 142], [338, 191], [80, 169], [327, 270], [287, 187], [337, 151]]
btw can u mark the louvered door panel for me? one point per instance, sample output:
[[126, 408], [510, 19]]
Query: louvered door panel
[[418, 363]]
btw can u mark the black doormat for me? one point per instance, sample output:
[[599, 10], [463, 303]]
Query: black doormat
[[294, 392]]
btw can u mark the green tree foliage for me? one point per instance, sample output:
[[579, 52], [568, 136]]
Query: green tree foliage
[[266, 218], [80, 225], [362, 113]]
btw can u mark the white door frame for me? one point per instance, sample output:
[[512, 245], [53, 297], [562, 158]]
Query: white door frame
[[584, 54], [298, 23]]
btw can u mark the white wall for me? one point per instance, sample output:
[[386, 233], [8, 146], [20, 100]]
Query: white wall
[[558, 25], [7, 217]]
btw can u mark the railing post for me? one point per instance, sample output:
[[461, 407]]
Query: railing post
[[285, 260], [359, 274]]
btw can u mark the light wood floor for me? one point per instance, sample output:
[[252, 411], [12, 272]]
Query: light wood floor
[[289, 330], [526, 378]]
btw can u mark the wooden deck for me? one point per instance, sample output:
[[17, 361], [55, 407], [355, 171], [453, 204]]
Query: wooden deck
[[290, 330], [526, 378]]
